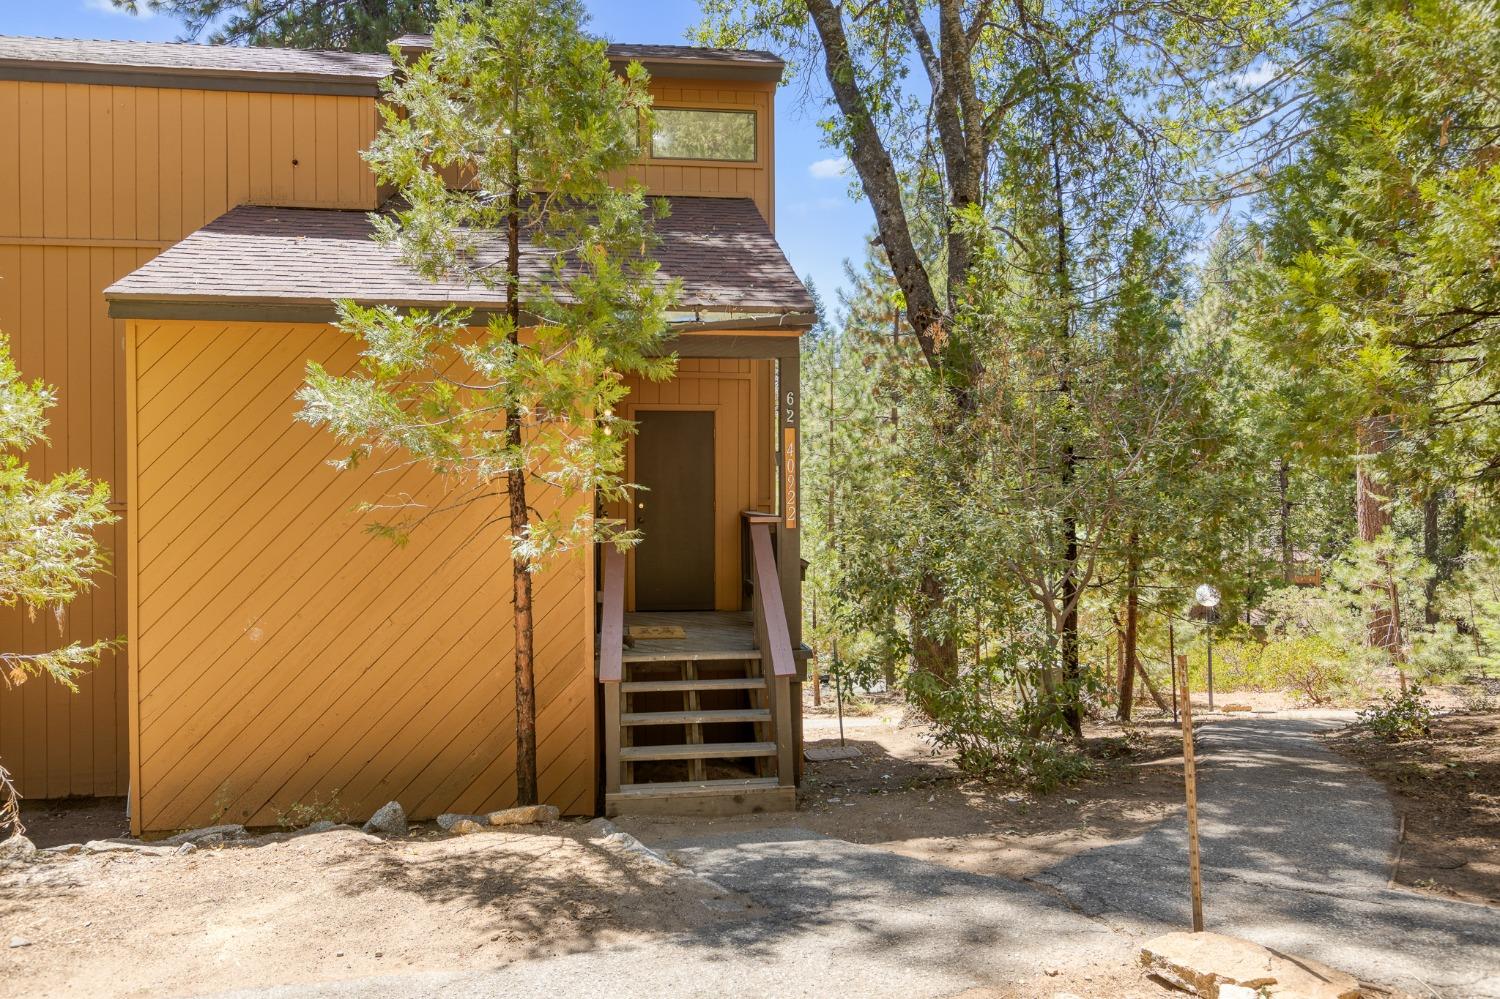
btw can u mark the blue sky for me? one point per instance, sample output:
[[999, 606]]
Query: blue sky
[[817, 222]]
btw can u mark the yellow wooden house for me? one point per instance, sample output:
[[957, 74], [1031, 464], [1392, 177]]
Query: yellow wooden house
[[175, 223]]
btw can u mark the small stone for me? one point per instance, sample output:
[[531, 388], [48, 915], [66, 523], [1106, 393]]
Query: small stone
[[207, 835], [16, 849], [389, 819], [448, 820], [186, 848], [320, 826], [128, 846], [19, 942], [827, 754], [464, 827], [524, 815]]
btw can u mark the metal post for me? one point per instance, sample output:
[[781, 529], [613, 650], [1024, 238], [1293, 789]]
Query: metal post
[[1210, 627], [838, 688], [1190, 781], [1172, 655]]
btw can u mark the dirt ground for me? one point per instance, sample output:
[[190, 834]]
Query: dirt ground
[[901, 794], [331, 906], [1447, 787]]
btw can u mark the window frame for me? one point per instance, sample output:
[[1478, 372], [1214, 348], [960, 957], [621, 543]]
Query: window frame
[[756, 138]]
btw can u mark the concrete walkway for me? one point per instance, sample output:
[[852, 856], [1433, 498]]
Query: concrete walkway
[[1296, 846]]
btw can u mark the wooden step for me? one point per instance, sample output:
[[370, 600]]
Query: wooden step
[[695, 787], [637, 654], [703, 798], [703, 751], [663, 686], [696, 717]]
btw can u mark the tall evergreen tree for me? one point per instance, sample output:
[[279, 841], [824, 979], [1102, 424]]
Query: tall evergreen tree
[[354, 25], [515, 99]]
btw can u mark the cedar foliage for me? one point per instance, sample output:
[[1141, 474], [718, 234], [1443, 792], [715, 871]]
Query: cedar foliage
[[504, 134]]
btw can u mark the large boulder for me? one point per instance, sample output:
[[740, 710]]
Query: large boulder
[[390, 819], [1215, 966], [524, 815]]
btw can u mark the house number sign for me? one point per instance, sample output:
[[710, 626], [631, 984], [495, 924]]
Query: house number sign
[[789, 459]]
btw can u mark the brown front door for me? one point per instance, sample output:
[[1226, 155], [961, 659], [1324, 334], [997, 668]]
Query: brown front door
[[674, 460]]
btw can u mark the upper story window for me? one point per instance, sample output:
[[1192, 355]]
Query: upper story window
[[683, 134]]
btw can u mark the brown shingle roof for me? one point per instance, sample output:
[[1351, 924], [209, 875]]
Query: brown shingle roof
[[666, 60], [720, 249], [254, 68], [19, 54]]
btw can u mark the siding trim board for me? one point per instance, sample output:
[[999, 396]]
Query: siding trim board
[[188, 79]]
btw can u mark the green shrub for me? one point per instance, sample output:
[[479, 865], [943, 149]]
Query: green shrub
[[992, 736], [1399, 716]]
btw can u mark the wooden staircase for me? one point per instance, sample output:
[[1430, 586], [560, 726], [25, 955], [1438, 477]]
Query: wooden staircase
[[701, 726]]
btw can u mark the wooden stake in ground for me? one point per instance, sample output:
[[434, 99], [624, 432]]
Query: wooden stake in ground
[[1190, 779]]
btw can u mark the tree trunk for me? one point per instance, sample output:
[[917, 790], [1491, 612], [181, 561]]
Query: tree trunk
[[520, 520], [1374, 518], [1430, 544], [1072, 672], [1132, 616], [1283, 482]]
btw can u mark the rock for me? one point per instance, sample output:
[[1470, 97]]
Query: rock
[[16, 849], [320, 826], [128, 846], [448, 820], [465, 826], [64, 849], [1238, 992], [19, 942], [186, 848], [390, 819], [208, 835], [1235, 707], [600, 827], [826, 754], [524, 815], [1205, 963]]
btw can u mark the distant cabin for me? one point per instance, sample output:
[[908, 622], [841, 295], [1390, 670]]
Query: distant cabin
[[176, 221]]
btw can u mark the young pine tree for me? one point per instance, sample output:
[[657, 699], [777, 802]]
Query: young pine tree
[[47, 547], [520, 104]]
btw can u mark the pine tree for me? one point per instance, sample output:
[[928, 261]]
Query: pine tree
[[518, 101], [353, 25], [48, 551]]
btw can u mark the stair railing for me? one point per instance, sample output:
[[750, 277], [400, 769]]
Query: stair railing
[[611, 651], [773, 639]]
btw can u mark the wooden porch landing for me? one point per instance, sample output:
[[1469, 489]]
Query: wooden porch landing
[[708, 635]]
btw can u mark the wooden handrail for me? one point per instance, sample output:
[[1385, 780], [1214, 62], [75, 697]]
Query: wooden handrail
[[612, 617], [771, 629]]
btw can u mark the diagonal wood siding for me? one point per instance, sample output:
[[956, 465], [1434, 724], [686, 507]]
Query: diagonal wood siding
[[280, 653], [94, 181]]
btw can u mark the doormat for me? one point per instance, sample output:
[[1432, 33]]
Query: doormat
[[650, 631]]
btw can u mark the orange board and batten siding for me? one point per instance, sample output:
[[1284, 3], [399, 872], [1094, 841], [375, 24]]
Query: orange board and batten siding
[[94, 181], [280, 654], [740, 393], [755, 180]]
